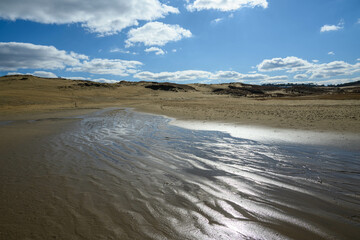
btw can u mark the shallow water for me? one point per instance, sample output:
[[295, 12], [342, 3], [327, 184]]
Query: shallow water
[[128, 175]]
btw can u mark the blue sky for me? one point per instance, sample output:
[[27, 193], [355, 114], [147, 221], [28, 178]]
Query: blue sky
[[209, 41]]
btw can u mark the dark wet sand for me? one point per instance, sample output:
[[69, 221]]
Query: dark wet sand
[[124, 175], [29, 194]]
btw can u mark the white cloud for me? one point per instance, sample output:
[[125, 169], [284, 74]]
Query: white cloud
[[314, 70], [196, 75], [101, 80], [14, 73], [119, 50], [174, 50], [104, 80], [79, 56], [158, 51], [331, 53], [225, 5], [315, 61], [156, 33], [292, 64], [300, 76], [274, 81], [358, 59], [173, 76], [78, 78], [44, 74], [104, 17], [107, 66], [316, 73], [278, 78], [333, 69], [14, 55], [329, 28], [236, 76]]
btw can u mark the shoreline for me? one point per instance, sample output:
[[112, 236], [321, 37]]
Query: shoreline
[[51, 98], [271, 135], [211, 116], [44, 123]]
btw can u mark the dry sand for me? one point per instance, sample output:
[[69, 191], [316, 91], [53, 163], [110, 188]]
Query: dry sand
[[27, 97]]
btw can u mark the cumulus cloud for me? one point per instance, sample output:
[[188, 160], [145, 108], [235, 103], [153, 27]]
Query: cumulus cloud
[[158, 51], [104, 17], [107, 66], [156, 34], [292, 64], [313, 70], [14, 73], [329, 28], [331, 53], [236, 76], [104, 80], [101, 80], [225, 5], [44, 74], [196, 75], [15, 55], [78, 78], [173, 76], [333, 69]]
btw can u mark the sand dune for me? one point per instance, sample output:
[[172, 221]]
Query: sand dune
[[309, 108]]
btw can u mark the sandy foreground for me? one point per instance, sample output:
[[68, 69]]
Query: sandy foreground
[[28, 97]]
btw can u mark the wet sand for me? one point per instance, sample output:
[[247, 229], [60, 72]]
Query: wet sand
[[119, 174], [27, 189]]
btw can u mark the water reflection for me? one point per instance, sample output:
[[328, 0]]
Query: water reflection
[[134, 176]]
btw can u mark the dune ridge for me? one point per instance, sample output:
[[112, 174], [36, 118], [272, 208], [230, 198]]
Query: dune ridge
[[295, 107]]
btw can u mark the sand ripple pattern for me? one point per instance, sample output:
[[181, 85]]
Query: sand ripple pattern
[[133, 176]]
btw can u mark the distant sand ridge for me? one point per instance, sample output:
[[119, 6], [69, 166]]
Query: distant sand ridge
[[297, 107]]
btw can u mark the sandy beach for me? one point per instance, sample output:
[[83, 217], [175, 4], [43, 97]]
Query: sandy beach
[[28, 97], [76, 163]]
